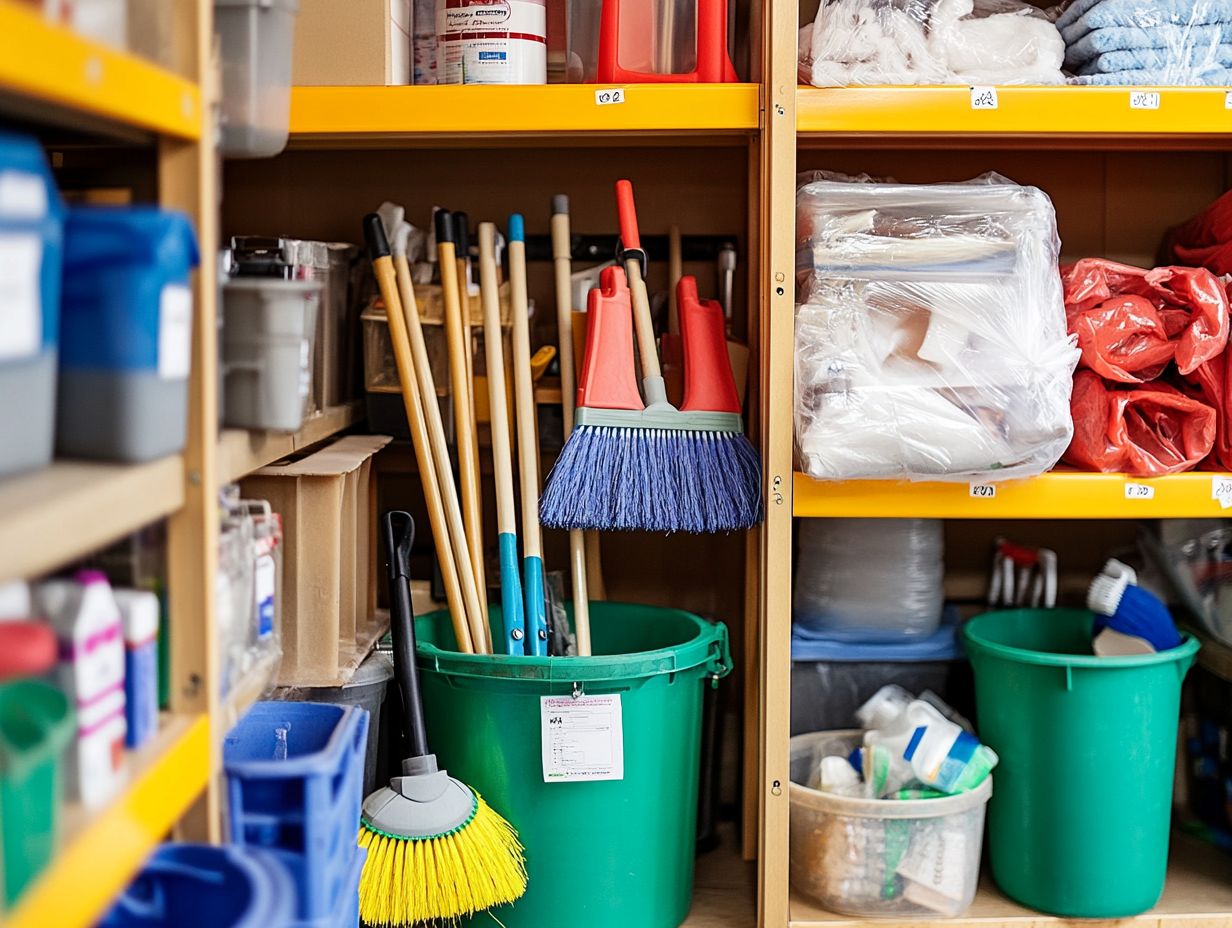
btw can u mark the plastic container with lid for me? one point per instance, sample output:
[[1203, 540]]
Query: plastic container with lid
[[255, 38], [881, 858], [31, 240], [126, 333]]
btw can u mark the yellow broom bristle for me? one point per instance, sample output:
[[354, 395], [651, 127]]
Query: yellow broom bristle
[[407, 881]]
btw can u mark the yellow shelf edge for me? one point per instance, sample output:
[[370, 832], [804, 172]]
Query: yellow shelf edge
[[1042, 111], [47, 63], [391, 112], [241, 451], [1056, 495], [99, 858]]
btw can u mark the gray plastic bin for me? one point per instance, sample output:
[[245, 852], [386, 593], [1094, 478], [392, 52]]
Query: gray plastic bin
[[267, 351], [255, 38]]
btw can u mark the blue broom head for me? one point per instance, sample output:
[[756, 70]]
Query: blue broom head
[[654, 480]]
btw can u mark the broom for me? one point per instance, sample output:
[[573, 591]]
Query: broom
[[436, 850], [647, 465]]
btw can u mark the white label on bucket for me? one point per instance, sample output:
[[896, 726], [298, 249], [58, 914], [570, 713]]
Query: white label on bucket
[[21, 300], [582, 738], [174, 332], [1221, 489]]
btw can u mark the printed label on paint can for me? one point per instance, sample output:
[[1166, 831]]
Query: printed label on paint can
[[491, 42]]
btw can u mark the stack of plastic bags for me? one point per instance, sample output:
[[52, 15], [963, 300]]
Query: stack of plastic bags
[[1152, 346], [930, 331], [930, 42], [1136, 42]]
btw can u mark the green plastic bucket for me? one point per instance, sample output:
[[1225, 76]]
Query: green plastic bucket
[[603, 854], [1078, 825], [35, 725]]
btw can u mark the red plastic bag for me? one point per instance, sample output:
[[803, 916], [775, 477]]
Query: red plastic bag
[[1142, 431], [1206, 240], [1132, 322]]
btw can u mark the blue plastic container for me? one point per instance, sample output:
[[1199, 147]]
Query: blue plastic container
[[295, 774], [126, 333], [31, 239], [199, 886], [346, 912]]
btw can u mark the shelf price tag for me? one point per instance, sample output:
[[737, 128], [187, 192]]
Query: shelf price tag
[[983, 98], [1139, 491], [609, 96], [1144, 99], [982, 490], [1227, 100], [1221, 490]]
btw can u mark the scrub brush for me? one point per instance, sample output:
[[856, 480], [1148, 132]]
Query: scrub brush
[[436, 850], [1128, 619]]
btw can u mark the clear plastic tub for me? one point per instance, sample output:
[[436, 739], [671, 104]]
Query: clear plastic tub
[[255, 37], [881, 858]]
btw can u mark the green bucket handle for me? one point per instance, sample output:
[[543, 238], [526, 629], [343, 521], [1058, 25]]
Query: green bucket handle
[[720, 653]]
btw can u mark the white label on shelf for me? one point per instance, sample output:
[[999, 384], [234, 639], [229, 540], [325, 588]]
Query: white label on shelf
[[1139, 491], [21, 298], [1221, 489], [583, 738], [983, 98], [22, 195], [174, 332], [609, 96], [1227, 100], [983, 490], [1144, 99]]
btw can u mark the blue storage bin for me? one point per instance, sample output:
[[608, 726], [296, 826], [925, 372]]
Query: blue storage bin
[[295, 775], [199, 886], [346, 911], [126, 333], [31, 240]]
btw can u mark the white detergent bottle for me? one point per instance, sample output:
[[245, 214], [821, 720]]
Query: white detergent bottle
[[87, 621], [943, 755]]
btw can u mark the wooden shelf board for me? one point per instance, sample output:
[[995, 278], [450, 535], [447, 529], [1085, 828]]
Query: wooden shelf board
[[100, 850], [320, 115], [1047, 112], [1056, 495], [724, 887], [1198, 894], [71, 508], [241, 451], [47, 65]]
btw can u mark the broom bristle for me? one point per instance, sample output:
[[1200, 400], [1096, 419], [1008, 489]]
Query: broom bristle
[[406, 881], [655, 480]]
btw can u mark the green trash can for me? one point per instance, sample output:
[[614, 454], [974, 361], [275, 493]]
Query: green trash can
[[599, 853], [36, 723], [1078, 825]]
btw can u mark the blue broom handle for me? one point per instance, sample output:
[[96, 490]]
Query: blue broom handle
[[511, 595]]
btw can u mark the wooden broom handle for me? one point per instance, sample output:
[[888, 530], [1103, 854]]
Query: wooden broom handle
[[675, 270], [383, 267], [440, 453], [642, 322], [502, 458], [524, 402]]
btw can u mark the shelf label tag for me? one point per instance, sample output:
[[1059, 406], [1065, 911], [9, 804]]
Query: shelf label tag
[[582, 738], [983, 98], [1139, 491], [1221, 489], [982, 490], [1144, 99], [1227, 100], [609, 96]]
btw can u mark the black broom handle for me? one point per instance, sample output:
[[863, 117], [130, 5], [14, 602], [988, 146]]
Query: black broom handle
[[399, 536]]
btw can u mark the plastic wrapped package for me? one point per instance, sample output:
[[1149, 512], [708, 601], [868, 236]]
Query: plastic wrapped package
[[1206, 239], [1194, 556], [1131, 322], [1145, 431], [869, 580], [1155, 42], [930, 331], [930, 42], [1211, 384]]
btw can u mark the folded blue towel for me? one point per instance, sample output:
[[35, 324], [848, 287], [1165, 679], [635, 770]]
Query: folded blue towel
[[1087, 15], [1146, 78], [1198, 60], [1174, 42]]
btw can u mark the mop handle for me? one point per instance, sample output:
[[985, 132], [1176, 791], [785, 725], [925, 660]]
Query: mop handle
[[399, 536], [629, 239]]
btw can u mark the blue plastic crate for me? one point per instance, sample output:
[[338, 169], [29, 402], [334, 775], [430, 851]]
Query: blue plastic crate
[[199, 886], [346, 913], [295, 785]]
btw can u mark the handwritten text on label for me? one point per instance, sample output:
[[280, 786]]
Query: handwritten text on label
[[983, 490], [983, 98], [1139, 491], [609, 96], [1144, 99]]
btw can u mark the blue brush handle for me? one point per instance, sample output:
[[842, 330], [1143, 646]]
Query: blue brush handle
[[536, 612], [511, 594]]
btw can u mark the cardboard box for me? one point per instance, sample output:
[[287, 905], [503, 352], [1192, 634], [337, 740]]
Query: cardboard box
[[352, 42], [327, 501]]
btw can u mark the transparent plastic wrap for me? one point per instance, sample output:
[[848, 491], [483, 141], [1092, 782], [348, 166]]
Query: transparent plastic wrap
[[1195, 558], [870, 580], [1141, 42], [930, 331], [930, 42]]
